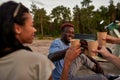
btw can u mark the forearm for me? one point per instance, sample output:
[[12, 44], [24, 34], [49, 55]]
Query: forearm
[[114, 60], [57, 55], [71, 54], [117, 41], [65, 70]]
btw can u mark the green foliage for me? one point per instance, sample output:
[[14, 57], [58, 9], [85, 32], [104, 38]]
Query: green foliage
[[61, 13], [85, 3], [112, 10], [86, 19]]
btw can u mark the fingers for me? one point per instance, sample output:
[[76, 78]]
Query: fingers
[[72, 53], [99, 47], [76, 50], [99, 50], [108, 39], [103, 51], [111, 39], [95, 51]]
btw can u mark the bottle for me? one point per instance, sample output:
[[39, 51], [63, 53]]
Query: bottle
[[113, 29]]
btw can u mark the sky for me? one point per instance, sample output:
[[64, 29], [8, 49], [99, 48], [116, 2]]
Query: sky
[[48, 5]]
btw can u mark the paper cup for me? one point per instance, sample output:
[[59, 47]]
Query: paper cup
[[74, 42], [92, 45], [100, 37]]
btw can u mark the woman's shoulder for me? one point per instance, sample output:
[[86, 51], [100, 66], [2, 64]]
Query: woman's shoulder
[[29, 56], [30, 61]]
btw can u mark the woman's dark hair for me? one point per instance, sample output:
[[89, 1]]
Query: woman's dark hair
[[10, 13]]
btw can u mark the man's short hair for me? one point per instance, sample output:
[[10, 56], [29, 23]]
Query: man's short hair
[[66, 25]]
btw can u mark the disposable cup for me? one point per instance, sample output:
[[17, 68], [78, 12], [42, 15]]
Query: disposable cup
[[92, 45], [74, 42], [100, 38]]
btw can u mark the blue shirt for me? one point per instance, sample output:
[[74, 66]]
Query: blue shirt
[[57, 45]]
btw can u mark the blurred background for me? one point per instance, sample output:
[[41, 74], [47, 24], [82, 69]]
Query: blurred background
[[86, 15]]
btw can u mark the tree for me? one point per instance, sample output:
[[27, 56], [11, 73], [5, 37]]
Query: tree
[[86, 19], [99, 15], [59, 15], [76, 19], [40, 18], [85, 3], [111, 8], [118, 12]]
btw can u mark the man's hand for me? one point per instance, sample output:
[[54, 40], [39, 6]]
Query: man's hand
[[72, 53]]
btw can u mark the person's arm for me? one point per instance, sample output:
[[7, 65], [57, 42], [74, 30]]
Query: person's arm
[[117, 41], [57, 55], [65, 70], [115, 60], [113, 40], [50, 78], [71, 54], [110, 57]]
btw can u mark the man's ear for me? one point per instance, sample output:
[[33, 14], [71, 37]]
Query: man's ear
[[17, 29]]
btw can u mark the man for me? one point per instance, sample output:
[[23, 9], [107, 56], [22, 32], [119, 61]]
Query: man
[[58, 50]]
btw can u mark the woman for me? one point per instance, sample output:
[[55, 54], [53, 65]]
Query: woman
[[18, 62]]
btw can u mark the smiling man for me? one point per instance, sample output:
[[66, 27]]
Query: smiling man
[[60, 45], [58, 50]]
